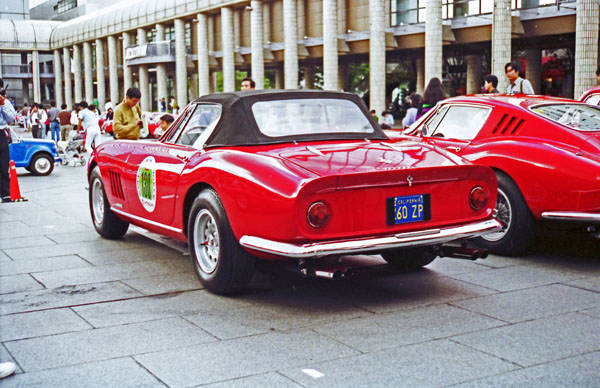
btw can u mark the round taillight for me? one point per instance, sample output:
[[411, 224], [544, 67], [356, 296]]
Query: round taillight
[[318, 215], [478, 198]]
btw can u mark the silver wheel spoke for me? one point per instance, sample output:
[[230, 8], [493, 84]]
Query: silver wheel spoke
[[206, 241], [504, 214]]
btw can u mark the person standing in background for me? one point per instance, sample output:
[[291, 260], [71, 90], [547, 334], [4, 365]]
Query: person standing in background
[[64, 119], [434, 92], [490, 83], [517, 84], [128, 116], [88, 120], [7, 115], [163, 105], [25, 114], [54, 124]]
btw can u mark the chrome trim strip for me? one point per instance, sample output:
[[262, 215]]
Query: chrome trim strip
[[400, 240], [121, 212], [572, 216]]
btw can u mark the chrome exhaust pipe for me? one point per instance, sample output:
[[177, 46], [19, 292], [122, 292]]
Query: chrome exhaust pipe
[[463, 253], [327, 272]]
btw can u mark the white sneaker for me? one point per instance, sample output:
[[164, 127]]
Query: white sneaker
[[7, 369]]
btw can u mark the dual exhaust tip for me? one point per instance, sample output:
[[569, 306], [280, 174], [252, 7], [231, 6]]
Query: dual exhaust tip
[[339, 272]]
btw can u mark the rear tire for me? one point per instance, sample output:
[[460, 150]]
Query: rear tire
[[221, 264], [409, 260], [518, 232], [106, 222], [41, 164]]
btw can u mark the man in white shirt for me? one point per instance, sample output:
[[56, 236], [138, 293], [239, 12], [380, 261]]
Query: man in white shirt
[[517, 84], [88, 120]]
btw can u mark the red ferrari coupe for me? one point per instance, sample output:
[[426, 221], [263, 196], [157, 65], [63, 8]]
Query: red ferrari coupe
[[301, 175], [545, 151], [591, 96]]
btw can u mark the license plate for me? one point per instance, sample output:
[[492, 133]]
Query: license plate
[[408, 208]]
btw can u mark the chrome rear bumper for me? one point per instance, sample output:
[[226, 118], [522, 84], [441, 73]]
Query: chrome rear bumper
[[347, 247], [572, 216]]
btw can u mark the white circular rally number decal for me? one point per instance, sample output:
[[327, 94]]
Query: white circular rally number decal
[[146, 183]]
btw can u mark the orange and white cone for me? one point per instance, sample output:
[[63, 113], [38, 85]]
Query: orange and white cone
[[15, 193]]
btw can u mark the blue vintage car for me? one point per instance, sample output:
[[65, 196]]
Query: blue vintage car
[[38, 156]]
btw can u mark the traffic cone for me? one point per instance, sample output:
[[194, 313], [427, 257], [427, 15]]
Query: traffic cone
[[15, 193]]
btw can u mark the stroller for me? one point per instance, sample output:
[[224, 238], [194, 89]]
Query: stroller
[[71, 151]]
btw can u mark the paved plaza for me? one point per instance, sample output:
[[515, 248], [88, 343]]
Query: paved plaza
[[81, 311]]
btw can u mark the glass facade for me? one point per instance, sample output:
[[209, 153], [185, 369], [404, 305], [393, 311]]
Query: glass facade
[[413, 11]]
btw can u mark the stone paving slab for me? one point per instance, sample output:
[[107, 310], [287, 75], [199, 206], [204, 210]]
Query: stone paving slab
[[280, 309], [162, 284], [112, 342], [521, 277], [121, 372], [18, 283], [227, 360], [539, 341], [532, 303], [147, 251], [107, 273], [23, 242], [151, 308], [40, 323], [266, 380], [432, 364], [579, 371], [589, 283], [12, 267], [64, 296], [382, 331]]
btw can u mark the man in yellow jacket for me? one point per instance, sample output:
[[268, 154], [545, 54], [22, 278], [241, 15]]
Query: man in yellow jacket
[[128, 116]]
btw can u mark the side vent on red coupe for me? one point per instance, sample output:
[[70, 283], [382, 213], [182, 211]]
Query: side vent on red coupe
[[508, 125], [116, 187]]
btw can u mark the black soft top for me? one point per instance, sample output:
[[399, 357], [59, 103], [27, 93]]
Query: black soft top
[[237, 125]]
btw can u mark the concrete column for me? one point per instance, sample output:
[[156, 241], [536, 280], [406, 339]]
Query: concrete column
[[193, 89], [212, 78], [237, 26], [161, 70], [78, 81], [330, 51], [586, 45], [309, 77], [433, 40], [203, 66], [278, 78], [341, 17], [377, 55], [533, 69], [58, 83], [301, 18], [227, 48], [67, 74], [127, 70], [87, 71], [256, 43], [113, 71], [290, 37], [35, 64], [180, 63], [1, 63], [266, 21], [420, 63], [100, 79], [144, 81], [501, 45], [474, 81]]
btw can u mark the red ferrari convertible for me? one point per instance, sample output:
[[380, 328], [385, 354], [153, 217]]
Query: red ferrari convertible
[[545, 151], [300, 175]]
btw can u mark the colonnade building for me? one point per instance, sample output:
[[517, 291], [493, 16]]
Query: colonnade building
[[188, 48]]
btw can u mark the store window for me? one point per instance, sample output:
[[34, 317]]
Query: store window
[[65, 5]]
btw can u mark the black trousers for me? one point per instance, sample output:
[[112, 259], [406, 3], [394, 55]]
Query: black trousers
[[4, 163]]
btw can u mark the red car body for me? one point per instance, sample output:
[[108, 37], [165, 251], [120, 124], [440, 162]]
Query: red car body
[[591, 96], [545, 150], [225, 184]]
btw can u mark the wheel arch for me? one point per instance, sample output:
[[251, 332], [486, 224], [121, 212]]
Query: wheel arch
[[191, 194]]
